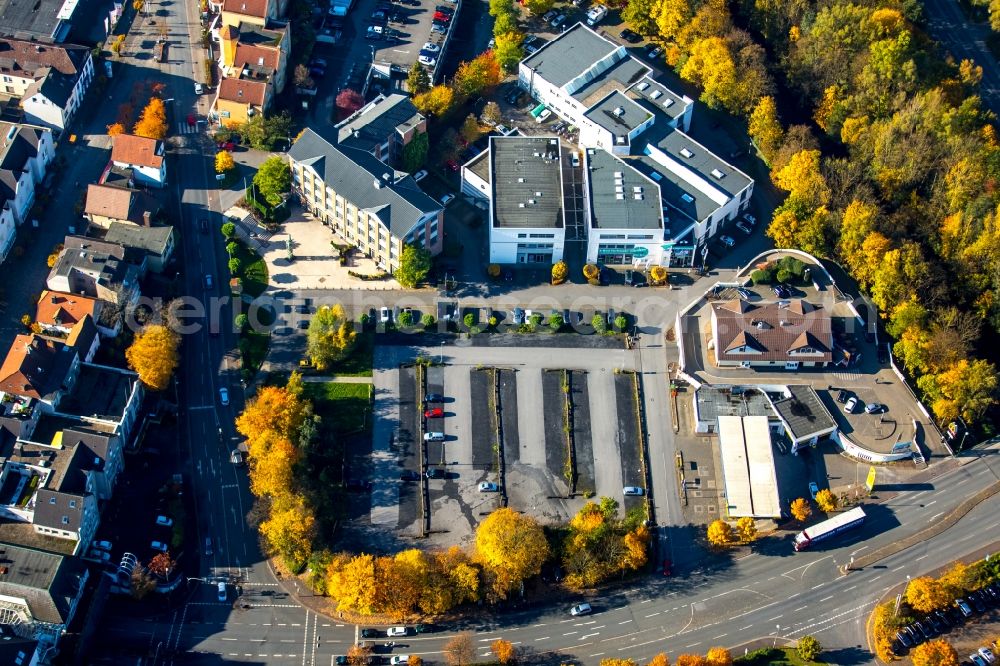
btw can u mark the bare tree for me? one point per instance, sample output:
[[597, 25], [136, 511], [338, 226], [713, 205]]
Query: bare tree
[[142, 582], [460, 650]]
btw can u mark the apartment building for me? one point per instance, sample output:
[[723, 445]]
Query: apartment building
[[50, 79], [25, 154]]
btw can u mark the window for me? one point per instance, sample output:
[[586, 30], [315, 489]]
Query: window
[[542, 236], [522, 235], [65, 520], [52, 500], [72, 504]]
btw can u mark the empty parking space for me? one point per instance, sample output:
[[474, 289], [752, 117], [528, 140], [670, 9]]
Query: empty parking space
[[628, 437], [483, 411], [582, 433]]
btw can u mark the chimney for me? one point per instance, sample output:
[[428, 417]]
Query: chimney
[[147, 219]]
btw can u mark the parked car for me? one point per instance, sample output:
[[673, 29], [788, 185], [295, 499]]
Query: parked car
[[452, 165], [226, 145], [434, 437], [101, 545], [517, 316], [976, 659], [164, 521], [581, 609], [502, 130], [575, 159], [744, 227], [370, 633], [427, 60], [158, 546], [630, 36], [543, 116], [977, 603], [488, 487], [628, 277], [223, 593], [549, 15], [904, 638], [653, 51], [727, 241], [781, 291], [434, 473], [633, 490], [434, 413], [208, 546], [224, 396], [842, 396], [963, 607], [744, 293], [430, 47], [874, 408], [447, 199], [208, 281], [399, 659], [750, 219], [433, 397], [198, 88], [813, 489], [393, 632], [99, 555], [851, 404], [987, 654]]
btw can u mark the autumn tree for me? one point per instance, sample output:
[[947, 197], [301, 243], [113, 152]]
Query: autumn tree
[[114, 129], [348, 101], [967, 389], [826, 501], [330, 337], [670, 16], [690, 660], [289, 529], [503, 651], [718, 656], [508, 50], [351, 583], [273, 180], [414, 265], [746, 527], [460, 650], [224, 162], [153, 354], [491, 114], [618, 661], [153, 120], [302, 78], [659, 660], [925, 594], [275, 409], [161, 565], [641, 15], [437, 101], [800, 509], [417, 80], [141, 582], [962, 578], [765, 129], [359, 656], [720, 534], [476, 76], [272, 464], [808, 648], [938, 652], [470, 130], [511, 547]]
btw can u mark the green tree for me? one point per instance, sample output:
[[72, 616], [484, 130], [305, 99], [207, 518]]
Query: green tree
[[415, 152], [555, 322], [242, 321], [641, 15], [427, 320], [418, 81], [414, 264], [273, 179], [228, 230], [498, 7], [508, 50], [234, 265], [538, 7], [330, 337], [505, 23], [264, 133], [808, 648]]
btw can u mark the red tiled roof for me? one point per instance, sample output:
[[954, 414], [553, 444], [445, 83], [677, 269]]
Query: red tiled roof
[[55, 308], [774, 332], [256, 56], [243, 91], [137, 150], [256, 8]]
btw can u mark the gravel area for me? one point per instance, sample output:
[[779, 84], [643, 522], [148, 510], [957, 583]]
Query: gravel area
[[628, 437], [508, 415], [484, 417], [553, 404], [582, 442]]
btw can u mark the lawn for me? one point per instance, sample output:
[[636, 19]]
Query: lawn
[[253, 271], [359, 362], [345, 408]]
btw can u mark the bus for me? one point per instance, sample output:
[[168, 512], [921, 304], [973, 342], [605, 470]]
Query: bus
[[830, 527]]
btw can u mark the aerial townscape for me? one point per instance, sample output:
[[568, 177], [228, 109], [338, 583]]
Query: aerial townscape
[[537, 332]]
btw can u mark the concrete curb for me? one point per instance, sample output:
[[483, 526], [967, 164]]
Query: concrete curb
[[942, 525]]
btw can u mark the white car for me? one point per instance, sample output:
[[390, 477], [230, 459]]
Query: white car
[[164, 521], [431, 46], [502, 130], [575, 159], [543, 116], [198, 88], [159, 546], [488, 487], [633, 490], [224, 396], [427, 61], [399, 659], [223, 595], [420, 175], [850, 405], [581, 609], [727, 241], [393, 632], [447, 199], [987, 654]]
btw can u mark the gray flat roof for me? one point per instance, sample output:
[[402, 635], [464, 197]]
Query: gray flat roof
[[635, 206], [804, 413], [99, 391], [33, 18], [698, 158], [714, 402], [527, 182], [568, 55], [656, 96], [619, 76], [618, 114]]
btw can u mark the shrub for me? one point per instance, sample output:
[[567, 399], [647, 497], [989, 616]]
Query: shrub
[[599, 324], [620, 323], [535, 320], [658, 275], [364, 319], [427, 320], [591, 272], [405, 318], [493, 321], [762, 276], [555, 322], [493, 270], [26, 320], [560, 271], [808, 648], [241, 321], [235, 265], [469, 320], [228, 229]]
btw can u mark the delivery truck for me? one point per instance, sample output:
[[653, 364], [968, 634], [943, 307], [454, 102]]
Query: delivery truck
[[842, 522]]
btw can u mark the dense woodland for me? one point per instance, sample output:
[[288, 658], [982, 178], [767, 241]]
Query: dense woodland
[[891, 169]]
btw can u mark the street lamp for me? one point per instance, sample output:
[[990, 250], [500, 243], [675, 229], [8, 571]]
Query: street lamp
[[777, 630], [441, 360]]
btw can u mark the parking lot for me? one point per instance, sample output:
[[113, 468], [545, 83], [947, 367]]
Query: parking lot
[[542, 404]]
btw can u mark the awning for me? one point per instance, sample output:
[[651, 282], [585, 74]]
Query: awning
[[537, 111]]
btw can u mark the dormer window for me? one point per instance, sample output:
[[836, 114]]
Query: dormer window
[[52, 500], [72, 504]]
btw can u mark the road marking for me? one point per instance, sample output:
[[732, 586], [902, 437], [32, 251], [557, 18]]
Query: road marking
[[858, 550], [720, 636], [540, 624], [571, 633], [200, 407], [692, 645], [625, 622], [826, 598], [935, 516], [930, 503], [654, 614], [850, 588], [228, 639], [645, 602], [543, 638], [749, 626], [800, 608], [816, 587], [596, 633], [776, 617], [901, 566]]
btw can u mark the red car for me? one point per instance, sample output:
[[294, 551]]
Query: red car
[[441, 18], [226, 145], [434, 413], [191, 120], [452, 164], [667, 564]]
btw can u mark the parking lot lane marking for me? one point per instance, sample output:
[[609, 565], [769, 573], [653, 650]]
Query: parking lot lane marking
[[570, 633], [692, 645], [826, 598], [720, 636], [800, 608], [654, 614], [776, 617], [749, 626], [625, 622]]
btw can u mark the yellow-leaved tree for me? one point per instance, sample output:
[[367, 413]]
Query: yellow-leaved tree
[[765, 129], [690, 660], [153, 121], [274, 408], [224, 162], [511, 547], [720, 534], [437, 101], [290, 528], [718, 656], [800, 509], [826, 501], [746, 527], [659, 660], [934, 653], [330, 337], [271, 467], [503, 650], [153, 354], [925, 594]]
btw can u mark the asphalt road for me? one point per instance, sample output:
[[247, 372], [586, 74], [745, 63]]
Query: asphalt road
[[965, 40]]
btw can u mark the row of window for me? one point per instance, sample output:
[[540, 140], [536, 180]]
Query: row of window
[[536, 235]]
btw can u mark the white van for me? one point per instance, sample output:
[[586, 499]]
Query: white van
[[433, 436]]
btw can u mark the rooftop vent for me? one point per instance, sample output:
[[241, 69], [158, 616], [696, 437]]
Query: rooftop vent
[[642, 86], [620, 197], [655, 94], [620, 139], [520, 205], [686, 153], [619, 111], [657, 176], [687, 197], [520, 180], [637, 196], [667, 103], [538, 194], [718, 174]]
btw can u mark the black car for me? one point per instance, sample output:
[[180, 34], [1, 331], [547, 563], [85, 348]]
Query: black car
[[370, 633], [904, 639], [512, 96], [630, 36], [433, 397], [434, 473], [842, 397], [977, 601], [444, 10], [938, 625], [409, 475], [944, 618], [781, 291]]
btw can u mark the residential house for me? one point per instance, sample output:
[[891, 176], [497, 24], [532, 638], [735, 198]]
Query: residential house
[[144, 156], [45, 368], [51, 80], [382, 127], [25, 154], [151, 248], [256, 12], [366, 202], [57, 313], [249, 50], [106, 204], [40, 592], [237, 100], [82, 268], [787, 334]]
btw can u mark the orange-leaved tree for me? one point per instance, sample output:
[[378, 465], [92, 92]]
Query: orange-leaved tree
[[153, 121]]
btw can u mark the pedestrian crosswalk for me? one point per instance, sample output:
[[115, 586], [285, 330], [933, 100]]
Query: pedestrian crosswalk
[[184, 128]]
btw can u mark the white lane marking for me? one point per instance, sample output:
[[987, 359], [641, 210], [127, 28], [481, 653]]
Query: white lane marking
[[654, 614], [776, 617], [800, 608], [692, 645], [625, 622], [720, 636], [570, 633], [749, 626], [826, 598]]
